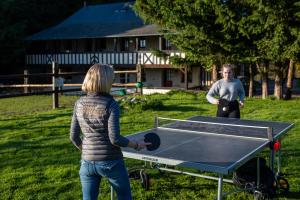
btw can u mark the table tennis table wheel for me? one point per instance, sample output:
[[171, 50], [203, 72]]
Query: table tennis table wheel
[[258, 195], [282, 185], [145, 180], [133, 175]]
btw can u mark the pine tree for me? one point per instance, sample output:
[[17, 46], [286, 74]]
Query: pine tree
[[258, 32]]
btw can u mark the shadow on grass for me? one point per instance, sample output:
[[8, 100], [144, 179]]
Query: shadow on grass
[[42, 151], [291, 153], [27, 121], [290, 195], [161, 180]]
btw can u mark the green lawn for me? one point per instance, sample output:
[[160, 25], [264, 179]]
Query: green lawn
[[37, 160]]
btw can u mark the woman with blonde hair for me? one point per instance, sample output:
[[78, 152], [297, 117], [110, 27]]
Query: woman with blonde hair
[[97, 116], [227, 93]]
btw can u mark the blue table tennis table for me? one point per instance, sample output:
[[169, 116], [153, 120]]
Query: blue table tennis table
[[210, 144]]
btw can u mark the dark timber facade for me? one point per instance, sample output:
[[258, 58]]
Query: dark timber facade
[[110, 34]]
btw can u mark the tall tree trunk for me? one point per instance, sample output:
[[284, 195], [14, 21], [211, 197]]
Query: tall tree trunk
[[278, 80], [278, 85], [251, 81], [264, 86], [263, 70], [289, 82], [214, 73], [290, 75]]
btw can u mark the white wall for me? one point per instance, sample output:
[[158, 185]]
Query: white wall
[[153, 78], [195, 77]]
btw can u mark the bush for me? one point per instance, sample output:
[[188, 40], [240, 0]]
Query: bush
[[140, 103]]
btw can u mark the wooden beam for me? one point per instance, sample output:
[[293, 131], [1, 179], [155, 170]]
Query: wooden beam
[[128, 71], [65, 85]]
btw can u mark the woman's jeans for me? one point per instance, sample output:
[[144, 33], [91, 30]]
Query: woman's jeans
[[91, 173]]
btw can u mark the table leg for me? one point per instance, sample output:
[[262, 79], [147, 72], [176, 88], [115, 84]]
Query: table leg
[[279, 162], [111, 193], [272, 160], [220, 184], [258, 173]]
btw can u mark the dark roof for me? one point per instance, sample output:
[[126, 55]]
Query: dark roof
[[98, 21]]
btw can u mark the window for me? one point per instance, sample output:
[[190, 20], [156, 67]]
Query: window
[[124, 78], [89, 45], [143, 74], [142, 43], [67, 46], [100, 44], [57, 46], [168, 45], [168, 75], [189, 76], [124, 45]]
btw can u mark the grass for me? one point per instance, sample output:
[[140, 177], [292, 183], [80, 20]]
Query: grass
[[37, 160]]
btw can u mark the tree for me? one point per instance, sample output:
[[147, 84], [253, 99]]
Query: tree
[[192, 26], [212, 32], [178, 62], [21, 18], [277, 26]]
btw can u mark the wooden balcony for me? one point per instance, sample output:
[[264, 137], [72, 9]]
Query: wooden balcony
[[111, 58]]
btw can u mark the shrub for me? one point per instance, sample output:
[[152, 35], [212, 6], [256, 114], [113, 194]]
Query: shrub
[[140, 103]]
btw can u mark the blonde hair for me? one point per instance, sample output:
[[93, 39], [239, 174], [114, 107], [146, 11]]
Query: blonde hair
[[98, 79], [228, 65]]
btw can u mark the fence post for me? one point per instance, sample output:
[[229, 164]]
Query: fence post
[[61, 81], [54, 86], [26, 81]]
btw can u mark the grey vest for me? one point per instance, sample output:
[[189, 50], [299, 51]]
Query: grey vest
[[92, 113]]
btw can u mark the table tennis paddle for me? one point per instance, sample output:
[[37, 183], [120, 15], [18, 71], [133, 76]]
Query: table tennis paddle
[[152, 138]]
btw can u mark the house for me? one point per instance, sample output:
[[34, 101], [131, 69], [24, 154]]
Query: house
[[111, 34]]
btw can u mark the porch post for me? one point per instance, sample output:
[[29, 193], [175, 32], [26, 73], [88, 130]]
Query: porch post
[[115, 44], [54, 86], [26, 80], [136, 43], [160, 43]]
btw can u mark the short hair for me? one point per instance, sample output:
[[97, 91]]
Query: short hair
[[98, 79], [228, 65]]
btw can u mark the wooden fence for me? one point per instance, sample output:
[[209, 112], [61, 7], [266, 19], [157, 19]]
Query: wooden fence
[[57, 84]]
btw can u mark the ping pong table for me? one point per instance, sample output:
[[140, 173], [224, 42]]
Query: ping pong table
[[209, 144]]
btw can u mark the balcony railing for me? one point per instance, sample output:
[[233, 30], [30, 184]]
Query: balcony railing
[[111, 58]]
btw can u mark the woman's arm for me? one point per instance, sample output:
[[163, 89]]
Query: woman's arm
[[241, 93], [75, 131], [114, 130], [213, 91]]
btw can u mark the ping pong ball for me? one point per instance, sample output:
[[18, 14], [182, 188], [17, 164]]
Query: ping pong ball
[[276, 146]]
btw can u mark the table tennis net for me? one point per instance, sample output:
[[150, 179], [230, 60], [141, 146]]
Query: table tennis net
[[213, 128]]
